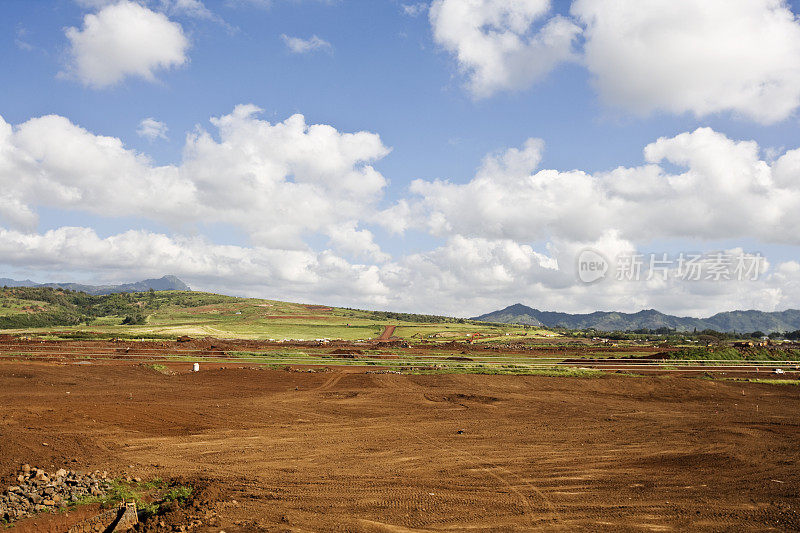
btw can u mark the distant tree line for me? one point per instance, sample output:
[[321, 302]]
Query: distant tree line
[[414, 317], [793, 335], [670, 334]]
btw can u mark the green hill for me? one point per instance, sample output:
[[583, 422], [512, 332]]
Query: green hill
[[43, 306], [167, 314]]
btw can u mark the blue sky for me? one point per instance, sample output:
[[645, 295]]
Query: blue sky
[[407, 72]]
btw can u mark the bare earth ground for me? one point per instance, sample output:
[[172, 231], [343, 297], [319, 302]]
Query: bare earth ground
[[349, 451]]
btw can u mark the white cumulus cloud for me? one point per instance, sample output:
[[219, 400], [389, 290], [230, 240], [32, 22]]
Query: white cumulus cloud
[[297, 45], [121, 40], [278, 182], [38, 167], [152, 129], [721, 190], [675, 56], [698, 57], [496, 42]]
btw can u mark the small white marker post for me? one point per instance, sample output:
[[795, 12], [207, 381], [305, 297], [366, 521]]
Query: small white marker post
[[196, 367]]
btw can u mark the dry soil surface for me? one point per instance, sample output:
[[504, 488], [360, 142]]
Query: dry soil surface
[[349, 451]]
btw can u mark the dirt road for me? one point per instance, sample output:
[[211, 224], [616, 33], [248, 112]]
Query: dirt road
[[388, 331], [340, 451]]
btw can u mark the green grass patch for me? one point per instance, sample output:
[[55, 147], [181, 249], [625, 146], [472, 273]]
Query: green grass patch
[[155, 483], [178, 494], [162, 369], [795, 382]]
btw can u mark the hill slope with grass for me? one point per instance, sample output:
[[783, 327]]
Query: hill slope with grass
[[42, 306], [167, 314]]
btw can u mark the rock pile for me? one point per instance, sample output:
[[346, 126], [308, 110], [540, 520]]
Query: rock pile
[[38, 491]]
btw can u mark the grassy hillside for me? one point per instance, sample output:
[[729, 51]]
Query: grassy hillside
[[171, 313], [38, 307]]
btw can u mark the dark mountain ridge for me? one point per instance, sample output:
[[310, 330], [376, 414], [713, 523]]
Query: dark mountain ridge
[[740, 321], [166, 283]]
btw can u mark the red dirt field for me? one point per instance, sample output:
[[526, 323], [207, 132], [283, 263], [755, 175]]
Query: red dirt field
[[350, 451], [10, 345], [217, 352]]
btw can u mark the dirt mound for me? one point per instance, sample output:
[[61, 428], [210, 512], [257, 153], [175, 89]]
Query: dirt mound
[[452, 345], [394, 344], [463, 398], [346, 351]]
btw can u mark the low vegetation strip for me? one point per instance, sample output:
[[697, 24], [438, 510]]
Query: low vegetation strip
[[727, 353], [459, 358], [794, 382]]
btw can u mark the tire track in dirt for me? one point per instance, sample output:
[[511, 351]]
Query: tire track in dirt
[[183, 455], [499, 473], [331, 382], [466, 457], [526, 502]]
